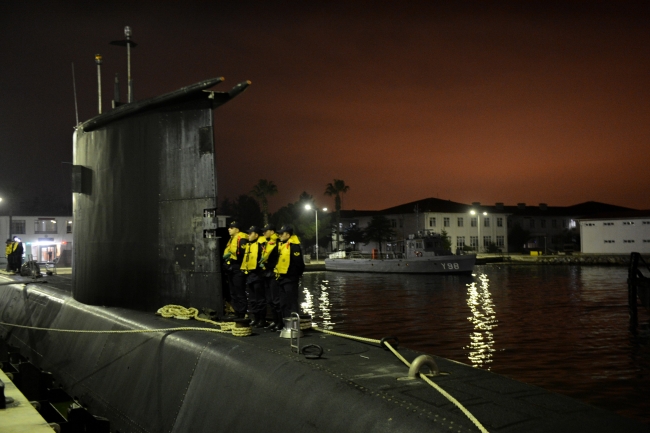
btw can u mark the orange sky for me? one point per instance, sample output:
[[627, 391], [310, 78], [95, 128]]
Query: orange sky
[[501, 102]]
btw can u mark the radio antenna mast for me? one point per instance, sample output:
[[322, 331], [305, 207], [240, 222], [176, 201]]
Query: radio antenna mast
[[74, 88]]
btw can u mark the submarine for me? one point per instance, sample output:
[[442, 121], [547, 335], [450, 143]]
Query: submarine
[[146, 236]]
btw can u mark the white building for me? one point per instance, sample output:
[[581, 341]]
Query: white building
[[475, 226], [44, 237], [621, 233]]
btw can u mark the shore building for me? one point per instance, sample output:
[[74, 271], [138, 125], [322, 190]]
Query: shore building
[[468, 226], [616, 233], [45, 238], [483, 228]]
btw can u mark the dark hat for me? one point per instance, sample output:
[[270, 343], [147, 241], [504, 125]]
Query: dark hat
[[9, 240], [234, 225], [286, 229], [254, 229], [268, 227]]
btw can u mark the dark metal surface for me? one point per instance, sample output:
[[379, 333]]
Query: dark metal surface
[[142, 233], [204, 382]]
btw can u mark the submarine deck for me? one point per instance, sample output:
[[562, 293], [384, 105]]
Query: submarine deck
[[200, 381]]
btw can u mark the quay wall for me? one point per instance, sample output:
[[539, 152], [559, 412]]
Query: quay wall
[[573, 259]]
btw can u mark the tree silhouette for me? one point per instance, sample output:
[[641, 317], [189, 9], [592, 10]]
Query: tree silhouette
[[335, 189], [379, 230], [263, 189]]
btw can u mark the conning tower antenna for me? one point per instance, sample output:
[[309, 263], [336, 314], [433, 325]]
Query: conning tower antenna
[[128, 43]]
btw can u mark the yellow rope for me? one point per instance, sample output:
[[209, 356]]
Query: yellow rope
[[180, 312], [175, 311], [352, 337], [408, 364]]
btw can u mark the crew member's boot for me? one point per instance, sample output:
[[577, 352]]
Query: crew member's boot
[[261, 319]]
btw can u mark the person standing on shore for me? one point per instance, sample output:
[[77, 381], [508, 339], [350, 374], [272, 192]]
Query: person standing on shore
[[18, 254], [288, 270], [9, 249], [254, 280], [271, 287], [233, 255]]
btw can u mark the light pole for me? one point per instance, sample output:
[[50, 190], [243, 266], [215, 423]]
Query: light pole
[[308, 207], [478, 225], [9, 220]]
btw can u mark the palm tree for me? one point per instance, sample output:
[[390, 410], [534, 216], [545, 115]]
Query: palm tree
[[263, 189], [335, 189]]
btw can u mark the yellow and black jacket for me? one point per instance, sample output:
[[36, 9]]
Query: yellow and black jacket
[[252, 255], [11, 247], [291, 263], [234, 252], [270, 254]]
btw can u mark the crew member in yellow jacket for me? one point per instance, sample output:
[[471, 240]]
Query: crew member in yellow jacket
[[10, 248], [250, 266], [233, 255], [290, 267], [271, 287]]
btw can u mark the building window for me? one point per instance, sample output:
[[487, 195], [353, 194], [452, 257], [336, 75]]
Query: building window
[[401, 222], [487, 240], [532, 223], [499, 222], [563, 224], [646, 223], [393, 223], [460, 222], [486, 222], [68, 227], [473, 241], [500, 241], [445, 222], [45, 226], [17, 227], [542, 223], [590, 224], [645, 241], [608, 224], [460, 241], [554, 224], [472, 222], [432, 222], [609, 241], [628, 223], [628, 241]]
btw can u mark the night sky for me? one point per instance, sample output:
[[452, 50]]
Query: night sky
[[522, 101]]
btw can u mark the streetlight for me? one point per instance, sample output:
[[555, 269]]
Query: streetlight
[[9, 220], [308, 207], [478, 224]]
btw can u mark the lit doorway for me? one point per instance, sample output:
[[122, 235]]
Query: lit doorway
[[47, 253]]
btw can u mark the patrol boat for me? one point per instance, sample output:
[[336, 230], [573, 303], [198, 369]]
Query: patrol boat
[[424, 255]]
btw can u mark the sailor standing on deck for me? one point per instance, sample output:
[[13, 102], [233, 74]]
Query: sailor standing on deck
[[233, 255], [271, 287], [254, 279], [289, 269]]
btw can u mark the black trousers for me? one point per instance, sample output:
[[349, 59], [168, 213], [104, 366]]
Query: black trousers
[[256, 296], [272, 297], [289, 295], [237, 285]]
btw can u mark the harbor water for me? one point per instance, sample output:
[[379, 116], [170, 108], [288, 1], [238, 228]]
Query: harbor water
[[563, 328]]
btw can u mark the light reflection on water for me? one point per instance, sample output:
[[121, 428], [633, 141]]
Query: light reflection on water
[[479, 301], [322, 319], [564, 328]]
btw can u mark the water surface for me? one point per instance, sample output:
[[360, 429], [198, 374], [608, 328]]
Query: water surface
[[563, 328]]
